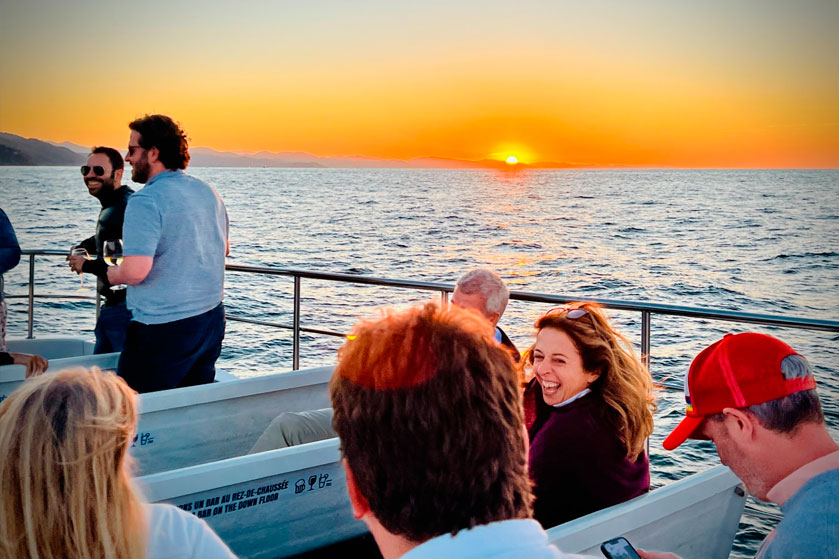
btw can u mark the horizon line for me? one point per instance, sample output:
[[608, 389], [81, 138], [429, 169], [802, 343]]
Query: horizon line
[[457, 164]]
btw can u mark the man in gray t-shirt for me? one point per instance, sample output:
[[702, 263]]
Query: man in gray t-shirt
[[175, 241]]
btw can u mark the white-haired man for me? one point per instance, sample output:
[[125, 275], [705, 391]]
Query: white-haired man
[[485, 292]]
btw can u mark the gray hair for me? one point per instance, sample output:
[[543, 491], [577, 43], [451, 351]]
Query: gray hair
[[489, 286], [785, 414]]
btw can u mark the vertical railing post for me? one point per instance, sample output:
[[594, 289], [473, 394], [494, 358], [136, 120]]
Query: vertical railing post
[[31, 319], [645, 338], [645, 351], [444, 297], [295, 355]]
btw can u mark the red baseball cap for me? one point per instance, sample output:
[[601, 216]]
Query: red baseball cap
[[738, 371]]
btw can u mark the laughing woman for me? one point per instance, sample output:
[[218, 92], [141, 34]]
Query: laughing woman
[[590, 409]]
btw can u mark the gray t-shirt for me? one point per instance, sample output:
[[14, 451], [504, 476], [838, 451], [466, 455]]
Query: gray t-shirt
[[181, 222]]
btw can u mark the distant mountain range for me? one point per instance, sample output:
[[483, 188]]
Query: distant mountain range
[[16, 150]]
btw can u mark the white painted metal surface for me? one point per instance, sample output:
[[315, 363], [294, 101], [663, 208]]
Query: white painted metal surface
[[292, 500], [267, 505], [11, 376], [696, 518], [211, 422], [51, 347]]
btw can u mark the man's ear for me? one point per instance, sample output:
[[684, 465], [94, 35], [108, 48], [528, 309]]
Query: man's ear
[[154, 155], [118, 178], [741, 425], [360, 506]]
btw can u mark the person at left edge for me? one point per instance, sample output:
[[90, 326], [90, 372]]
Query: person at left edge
[[9, 258], [103, 177], [175, 239]]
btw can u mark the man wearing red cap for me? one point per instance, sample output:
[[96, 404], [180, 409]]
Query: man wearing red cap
[[755, 398]]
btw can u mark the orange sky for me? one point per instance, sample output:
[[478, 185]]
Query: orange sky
[[684, 84]]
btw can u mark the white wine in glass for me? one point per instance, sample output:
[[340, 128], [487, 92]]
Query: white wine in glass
[[112, 252], [79, 251]]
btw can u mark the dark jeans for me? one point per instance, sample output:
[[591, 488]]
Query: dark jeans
[[173, 354], [111, 328]]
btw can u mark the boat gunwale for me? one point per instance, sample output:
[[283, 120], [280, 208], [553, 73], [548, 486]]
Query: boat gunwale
[[239, 469], [218, 391], [706, 483]]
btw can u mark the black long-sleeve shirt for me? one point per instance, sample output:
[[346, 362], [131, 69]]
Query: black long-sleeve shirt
[[108, 228]]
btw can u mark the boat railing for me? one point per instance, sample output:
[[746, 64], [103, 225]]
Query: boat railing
[[646, 310]]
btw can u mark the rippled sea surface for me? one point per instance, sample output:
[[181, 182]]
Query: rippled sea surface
[[753, 241]]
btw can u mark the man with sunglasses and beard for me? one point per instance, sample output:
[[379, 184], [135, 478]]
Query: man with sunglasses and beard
[[174, 247], [103, 177]]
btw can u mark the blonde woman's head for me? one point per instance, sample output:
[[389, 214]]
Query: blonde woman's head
[[64, 478]]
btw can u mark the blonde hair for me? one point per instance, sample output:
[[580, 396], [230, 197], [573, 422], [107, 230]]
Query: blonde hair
[[624, 382], [63, 475]]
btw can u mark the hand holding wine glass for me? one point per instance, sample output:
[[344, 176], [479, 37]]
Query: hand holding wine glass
[[112, 252], [79, 251]]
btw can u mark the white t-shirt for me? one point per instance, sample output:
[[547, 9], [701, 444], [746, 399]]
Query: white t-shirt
[[175, 534]]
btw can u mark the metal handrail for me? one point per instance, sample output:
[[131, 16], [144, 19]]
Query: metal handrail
[[653, 308], [646, 309]]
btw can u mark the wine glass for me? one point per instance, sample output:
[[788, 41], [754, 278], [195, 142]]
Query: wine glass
[[112, 252], [79, 251]]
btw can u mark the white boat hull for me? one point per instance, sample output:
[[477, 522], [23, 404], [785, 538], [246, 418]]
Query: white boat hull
[[211, 422], [267, 505], [696, 517], [292, 500], [196, 424], [62, 353]]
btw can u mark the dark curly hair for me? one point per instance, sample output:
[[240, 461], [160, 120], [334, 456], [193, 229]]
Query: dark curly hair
[[429, 414], [163, 133]]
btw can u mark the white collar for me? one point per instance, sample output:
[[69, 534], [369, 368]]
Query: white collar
[[576, 396]]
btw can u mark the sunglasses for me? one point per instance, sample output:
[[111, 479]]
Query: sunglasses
[[131, 149], [98, 170], [572, 313]]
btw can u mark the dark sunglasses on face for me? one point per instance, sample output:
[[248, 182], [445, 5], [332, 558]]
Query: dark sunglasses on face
[[98, 170], [132, 149]]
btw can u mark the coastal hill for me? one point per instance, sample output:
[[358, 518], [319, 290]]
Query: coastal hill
[[15, 150]]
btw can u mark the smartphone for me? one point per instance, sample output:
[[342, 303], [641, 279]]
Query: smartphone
[[619, 548]]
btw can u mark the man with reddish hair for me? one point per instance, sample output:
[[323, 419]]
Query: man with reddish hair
[[755, 398], [428, 410]]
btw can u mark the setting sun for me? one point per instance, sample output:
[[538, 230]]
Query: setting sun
[[512, 160]]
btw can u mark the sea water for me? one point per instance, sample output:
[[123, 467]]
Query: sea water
[[754, 241]]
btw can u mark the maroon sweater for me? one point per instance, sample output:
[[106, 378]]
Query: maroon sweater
[[577, 462]]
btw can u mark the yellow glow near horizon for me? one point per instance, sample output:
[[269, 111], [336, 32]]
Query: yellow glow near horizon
[[512, 160]]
